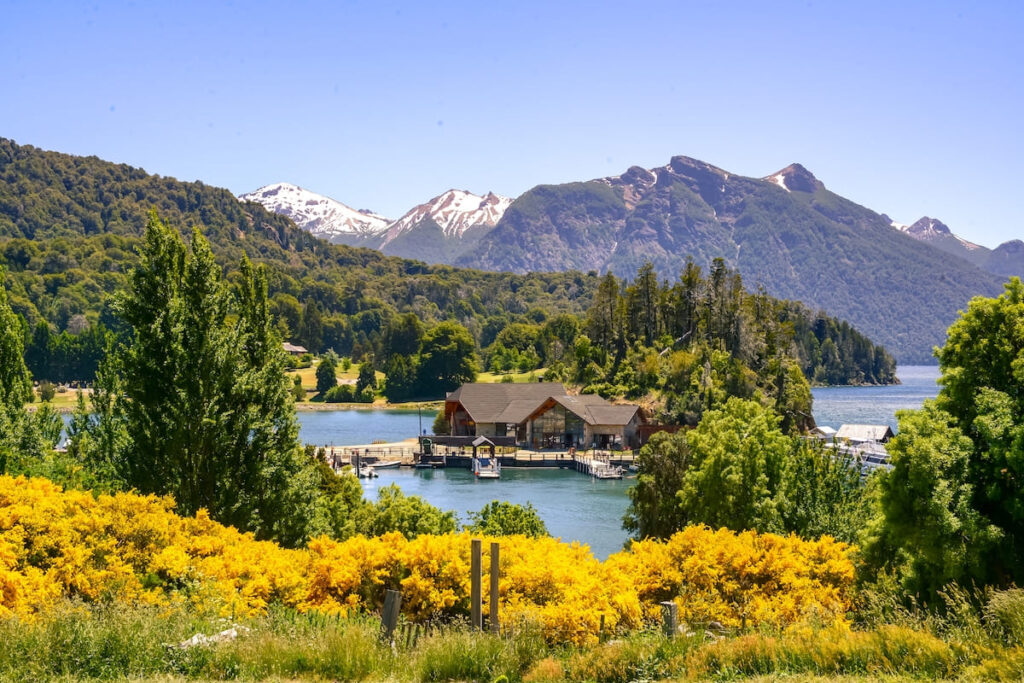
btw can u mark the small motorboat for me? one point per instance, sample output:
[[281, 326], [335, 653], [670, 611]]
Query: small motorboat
[[387, 465], [487, 468], [367, 472]]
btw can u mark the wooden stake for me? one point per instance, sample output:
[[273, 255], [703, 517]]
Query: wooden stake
[[495, 573], [476, 587], [389, 615], [670, 618]]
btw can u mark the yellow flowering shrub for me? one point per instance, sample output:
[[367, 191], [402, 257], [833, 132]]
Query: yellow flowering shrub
[[746, 577], [57, 544]]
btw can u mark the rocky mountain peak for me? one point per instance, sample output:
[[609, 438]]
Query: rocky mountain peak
[[926, 227], [320, 215], [1014, 247], [795, 178], [454, 211]]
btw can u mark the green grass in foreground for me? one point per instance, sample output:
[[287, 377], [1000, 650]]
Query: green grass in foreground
[[108, 642]]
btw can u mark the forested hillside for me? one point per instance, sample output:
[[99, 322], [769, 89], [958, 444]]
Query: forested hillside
[[70, 227], [787, 233]]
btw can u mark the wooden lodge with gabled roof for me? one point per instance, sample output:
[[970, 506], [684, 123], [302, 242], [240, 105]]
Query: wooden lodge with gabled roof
[[542, 415]]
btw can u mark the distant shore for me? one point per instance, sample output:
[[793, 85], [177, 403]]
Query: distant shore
[[67, 407], [310, 407]]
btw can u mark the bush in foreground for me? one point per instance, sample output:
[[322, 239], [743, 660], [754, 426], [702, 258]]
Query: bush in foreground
[[130, 549]]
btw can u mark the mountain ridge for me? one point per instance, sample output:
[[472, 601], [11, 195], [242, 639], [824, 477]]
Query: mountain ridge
[[785, 232]]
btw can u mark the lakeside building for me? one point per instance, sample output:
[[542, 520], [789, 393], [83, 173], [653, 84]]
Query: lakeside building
[[856, 434], [542, 415]]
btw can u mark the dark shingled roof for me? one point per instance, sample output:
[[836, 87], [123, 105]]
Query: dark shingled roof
[[612, 414], [514, 403], [487, 402]]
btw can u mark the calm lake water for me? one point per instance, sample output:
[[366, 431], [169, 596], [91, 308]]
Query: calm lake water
[[834, 406], [576, 507]]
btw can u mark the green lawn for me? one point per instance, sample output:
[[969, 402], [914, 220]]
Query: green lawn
[[519, 377]]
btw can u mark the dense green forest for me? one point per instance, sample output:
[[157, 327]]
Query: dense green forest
[[70, 228]]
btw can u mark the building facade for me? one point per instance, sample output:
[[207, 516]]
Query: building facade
[[542, 415]]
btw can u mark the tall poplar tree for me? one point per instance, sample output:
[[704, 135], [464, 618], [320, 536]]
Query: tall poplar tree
[[196, 407]]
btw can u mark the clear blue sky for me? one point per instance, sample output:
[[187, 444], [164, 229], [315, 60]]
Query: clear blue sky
[[908, 108]]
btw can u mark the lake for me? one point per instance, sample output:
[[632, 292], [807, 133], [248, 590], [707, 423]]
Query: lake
[[574, 506], [834, 406]]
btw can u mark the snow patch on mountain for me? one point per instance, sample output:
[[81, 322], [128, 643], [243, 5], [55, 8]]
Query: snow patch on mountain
[[929, 229], [780, 180], [454, 211], [320, 215]]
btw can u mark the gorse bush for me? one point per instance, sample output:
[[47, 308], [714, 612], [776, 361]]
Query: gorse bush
[[127, 549]]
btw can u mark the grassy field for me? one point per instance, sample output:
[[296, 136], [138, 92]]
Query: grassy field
[[80, 642], [308, 376], [518, 377], [62, 401]]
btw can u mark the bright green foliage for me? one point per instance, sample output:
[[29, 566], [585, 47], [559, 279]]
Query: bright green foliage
[[298, 393], [737, 469], [500, 518], [23, 437], [826, 493], [400, 376], [411, 515], [15, 381], [367, 379], [982, 366], [690, 345], [199, 408], [402, 335], [929, 529], [654, 509], [447, 359], [736, 475], [958, 465], [441, 425], [326, 375]]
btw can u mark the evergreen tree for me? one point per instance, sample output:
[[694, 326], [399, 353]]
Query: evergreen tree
[[326, 374], [401, 378], [367, 378], [198, 408], [311, 327], [402, 336]]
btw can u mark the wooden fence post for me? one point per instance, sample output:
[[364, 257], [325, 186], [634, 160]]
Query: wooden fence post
[[495, 572], [389, 614], [670, 618], [476, 589]]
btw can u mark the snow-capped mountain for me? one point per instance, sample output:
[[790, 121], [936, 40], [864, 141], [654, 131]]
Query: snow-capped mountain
[[454, 211], [320, 215], [929, 229], [938, 234]]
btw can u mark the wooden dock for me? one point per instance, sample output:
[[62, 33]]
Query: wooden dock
[[587, 462]]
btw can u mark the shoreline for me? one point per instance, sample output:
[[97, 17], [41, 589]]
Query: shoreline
[[311, 407]]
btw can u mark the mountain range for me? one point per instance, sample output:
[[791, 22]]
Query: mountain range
[[1005, 260], [440, 230], [785, 232]]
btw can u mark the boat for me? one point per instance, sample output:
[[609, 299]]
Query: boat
[[487, 468], [387, 465], [366, 472], [607, 472]]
